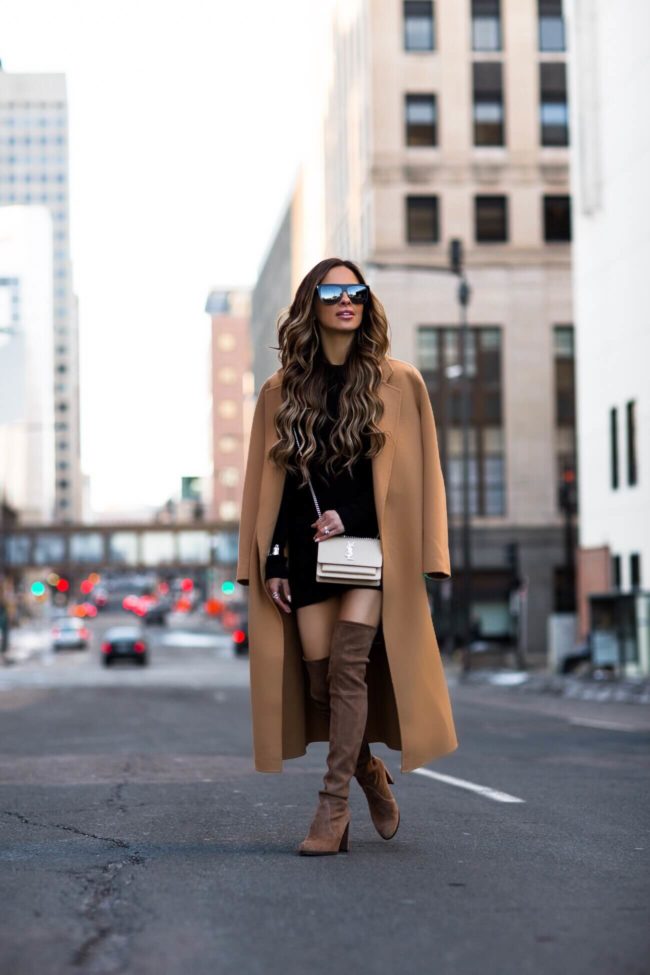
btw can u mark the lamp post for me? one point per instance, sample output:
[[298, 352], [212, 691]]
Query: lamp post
[[456, 267]]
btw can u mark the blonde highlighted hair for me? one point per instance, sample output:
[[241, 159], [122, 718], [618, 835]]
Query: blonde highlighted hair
[[304, 390]]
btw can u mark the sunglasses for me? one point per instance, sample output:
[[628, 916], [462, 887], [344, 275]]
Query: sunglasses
[[331, 294]]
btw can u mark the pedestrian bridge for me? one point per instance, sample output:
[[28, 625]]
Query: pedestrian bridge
[[119, 546]]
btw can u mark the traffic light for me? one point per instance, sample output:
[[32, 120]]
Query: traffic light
[[456, 256], [38, 589], [227, 587]]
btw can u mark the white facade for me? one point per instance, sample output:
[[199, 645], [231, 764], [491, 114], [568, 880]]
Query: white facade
[[34, 172], [27, 470], [611, 124]]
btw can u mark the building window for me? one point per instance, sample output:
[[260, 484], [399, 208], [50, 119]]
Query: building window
[[422, 224], [229, 476], [488, 104], [63, 484], [565, 409], [616, 571], [613, 447], [227, 408], [421, 120], [635, 570], [491, 219], [551, 25], [227, 444], [554, 110], [439, 360], [418, 25], [630, 441], [486, 25], [225, 341], [227, 375], [557, 219], [228, 511]]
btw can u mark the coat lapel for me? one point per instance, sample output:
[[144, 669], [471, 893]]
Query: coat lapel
[[273, 478]]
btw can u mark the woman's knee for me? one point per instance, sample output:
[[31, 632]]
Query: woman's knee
[[361, 606]]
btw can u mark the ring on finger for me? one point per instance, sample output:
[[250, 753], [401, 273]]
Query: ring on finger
[[275, 595]]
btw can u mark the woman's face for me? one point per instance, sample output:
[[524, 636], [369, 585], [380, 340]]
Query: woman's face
[[344, 316]]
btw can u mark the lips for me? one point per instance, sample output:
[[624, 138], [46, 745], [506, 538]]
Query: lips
[[345, 314]]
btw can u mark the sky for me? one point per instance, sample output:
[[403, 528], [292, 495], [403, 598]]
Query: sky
[[187, 125]]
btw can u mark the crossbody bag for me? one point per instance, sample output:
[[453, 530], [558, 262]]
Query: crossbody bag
[[346, 558]]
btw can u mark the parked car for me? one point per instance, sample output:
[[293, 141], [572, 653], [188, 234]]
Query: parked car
[[70, 633], [124, 643], [157, 612]]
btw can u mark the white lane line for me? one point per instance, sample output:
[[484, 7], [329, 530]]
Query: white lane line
[[482, 790], [605, 725]]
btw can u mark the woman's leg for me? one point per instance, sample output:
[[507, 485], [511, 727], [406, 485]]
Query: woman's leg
[[315, 626], [361, 606]]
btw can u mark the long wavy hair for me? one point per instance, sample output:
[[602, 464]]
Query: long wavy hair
[[304, 387]]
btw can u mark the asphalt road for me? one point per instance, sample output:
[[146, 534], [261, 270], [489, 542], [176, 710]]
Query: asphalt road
[[136, 837]]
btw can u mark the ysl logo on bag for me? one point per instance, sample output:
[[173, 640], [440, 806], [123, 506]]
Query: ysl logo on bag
[[349, 550]]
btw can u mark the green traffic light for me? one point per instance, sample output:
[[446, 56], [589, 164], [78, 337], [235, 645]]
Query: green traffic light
[[227, 588], [38, 589]]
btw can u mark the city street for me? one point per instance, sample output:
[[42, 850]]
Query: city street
[[137, 838]]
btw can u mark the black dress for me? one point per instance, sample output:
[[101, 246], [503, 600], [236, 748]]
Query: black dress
[[350, 496]]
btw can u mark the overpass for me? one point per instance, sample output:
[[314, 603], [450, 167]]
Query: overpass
[[77, 548]]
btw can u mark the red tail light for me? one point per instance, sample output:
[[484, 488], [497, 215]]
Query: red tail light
[[83, 633], [106, 648], [238, 636], [139, 646]]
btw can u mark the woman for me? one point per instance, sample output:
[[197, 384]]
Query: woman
[[359, 424]]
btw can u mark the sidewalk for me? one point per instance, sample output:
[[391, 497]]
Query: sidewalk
[[618, 690]]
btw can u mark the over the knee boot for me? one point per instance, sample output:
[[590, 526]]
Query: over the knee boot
[[370, 772], [349, 653]]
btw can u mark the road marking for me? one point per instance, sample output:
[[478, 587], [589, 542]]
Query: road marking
[[482, 790], [603, 725]]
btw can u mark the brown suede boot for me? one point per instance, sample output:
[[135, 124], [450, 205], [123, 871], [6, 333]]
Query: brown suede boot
[[371, 773], [373, 777], [349, 652]]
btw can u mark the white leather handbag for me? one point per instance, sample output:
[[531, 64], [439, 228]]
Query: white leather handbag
[[347, 558]]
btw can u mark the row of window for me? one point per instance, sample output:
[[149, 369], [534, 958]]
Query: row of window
[[421, 114], [420, 27], [439, 358], [32, 198], [27, 140], [24, 121], [13, 106], [26, 159], [635, 571], [43, 177], [631, 466], [490, 219]]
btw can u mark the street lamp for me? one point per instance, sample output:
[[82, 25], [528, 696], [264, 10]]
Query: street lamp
[[456, 267]]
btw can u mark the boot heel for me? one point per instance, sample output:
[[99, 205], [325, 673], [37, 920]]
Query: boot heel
[[343, 848], [389, 777]]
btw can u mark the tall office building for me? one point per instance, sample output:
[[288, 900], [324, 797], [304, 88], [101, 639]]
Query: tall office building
[[34, 171], [26, 355], [450, 120], [610, 80]]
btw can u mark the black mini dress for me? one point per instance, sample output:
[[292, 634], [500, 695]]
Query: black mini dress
[[350, 494]]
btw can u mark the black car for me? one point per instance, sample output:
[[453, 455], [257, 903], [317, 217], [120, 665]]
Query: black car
[[124, 643], [157, 612]]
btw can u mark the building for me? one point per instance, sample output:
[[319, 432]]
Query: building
[[232, 398], [27, 435], [34, 171], [610, 78]]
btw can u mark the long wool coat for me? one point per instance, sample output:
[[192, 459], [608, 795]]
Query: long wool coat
[[408, 702]]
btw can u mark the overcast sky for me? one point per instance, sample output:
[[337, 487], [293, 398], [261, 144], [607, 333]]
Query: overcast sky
[[187, 122]]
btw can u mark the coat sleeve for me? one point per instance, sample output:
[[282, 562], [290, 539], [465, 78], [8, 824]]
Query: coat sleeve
[[251, 492], [435, 536]]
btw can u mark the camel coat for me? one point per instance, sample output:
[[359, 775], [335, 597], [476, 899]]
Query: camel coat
[[408, 703]]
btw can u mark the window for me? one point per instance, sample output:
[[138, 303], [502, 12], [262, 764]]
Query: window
[[565, 410], [630, 431], [225, 341], [616, 571], [421, 120], [557, 219], [439, 359], [613, 447], [488, 104], [418, 25], [491, 219], [551, 25], [554, 111], [422, 225], [635, 571], [227, 408], [486, 25], [228, 510], [229, 476]]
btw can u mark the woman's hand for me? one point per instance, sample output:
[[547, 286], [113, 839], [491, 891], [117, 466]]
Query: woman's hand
[[280, 593], [328, 520]]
